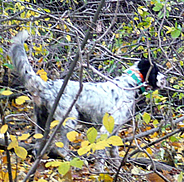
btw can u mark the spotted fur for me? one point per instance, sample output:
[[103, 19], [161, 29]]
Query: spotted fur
[[96, 99]]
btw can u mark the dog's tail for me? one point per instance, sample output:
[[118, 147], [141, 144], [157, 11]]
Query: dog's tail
[[18, 54], [20, 61]]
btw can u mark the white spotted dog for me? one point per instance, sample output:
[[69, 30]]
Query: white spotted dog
[[94, 101]]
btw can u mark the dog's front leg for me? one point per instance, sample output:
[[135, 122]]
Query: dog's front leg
[[112, 155]]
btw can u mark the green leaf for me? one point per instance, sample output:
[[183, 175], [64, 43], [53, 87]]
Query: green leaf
[[158, 7], [8, 65], [155, 122], [181, 63], [176, 86], [146, 117], [181, 95], [180, 177], [173, 139], [76, 162], [176, 33], [91, 134], [108, 122], [1, 50], [64, 168], [160, 15]]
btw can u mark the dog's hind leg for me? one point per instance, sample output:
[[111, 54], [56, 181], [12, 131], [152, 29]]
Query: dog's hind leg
[[41, 114]]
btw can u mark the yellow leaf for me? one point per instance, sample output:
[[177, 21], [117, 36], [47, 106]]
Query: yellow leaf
[[122, 153], [103, 137], [149, 151], [6, 92], [4, 129], [136, 18], [38, 136], [84, 150], [155, 92], [140, 11], [37, 49], [43, 74], [100, 67], [36, 22], [65, 26], [53, 164], [44, 77], [59, 144], [54, 123], [21, 152], [20, 100], [135, 170], [154, 135], [117, 35], [155, 122], [108, 122], [68, 20], [28, 14], [101, 145], [47, 10], [24, 136], [69, 118], [72, 135], [115, 140], [26, 47], [105, 177], [13, 138], [42, 180], [142, 145], [84, 143], [91, 134], [13, 144], [170, 29], [68, 37], [163, 98], [40, 60]]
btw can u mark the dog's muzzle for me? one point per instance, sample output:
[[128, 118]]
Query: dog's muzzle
[[161, 80]]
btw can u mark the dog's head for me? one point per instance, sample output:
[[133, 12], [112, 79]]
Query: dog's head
[[155, 79]]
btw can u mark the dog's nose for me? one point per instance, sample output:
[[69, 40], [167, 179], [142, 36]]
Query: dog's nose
[[161, 80]]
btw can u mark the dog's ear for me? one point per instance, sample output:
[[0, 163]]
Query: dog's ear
[[143, 67]]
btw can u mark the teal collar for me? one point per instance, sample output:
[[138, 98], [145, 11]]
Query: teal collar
[[133, 74]]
